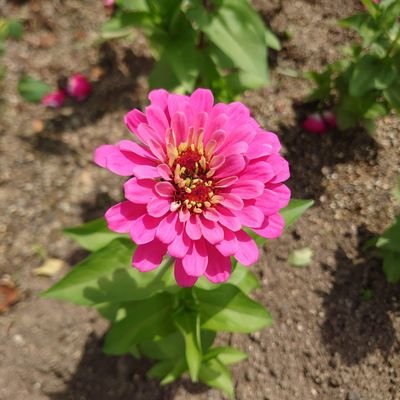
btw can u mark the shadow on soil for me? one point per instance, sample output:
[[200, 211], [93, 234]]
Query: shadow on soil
[[357, 322], [114, 91], [309, 153], [101, 377]]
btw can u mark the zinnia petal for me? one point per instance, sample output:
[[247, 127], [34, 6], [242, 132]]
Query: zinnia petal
[[247, 252], [196, 259], [218, 267], [149, 256], [181, 277]]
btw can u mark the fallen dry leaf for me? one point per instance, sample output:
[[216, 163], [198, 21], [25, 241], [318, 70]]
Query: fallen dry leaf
[[9, 293], [37, 126], [96, 73], [50, 267]]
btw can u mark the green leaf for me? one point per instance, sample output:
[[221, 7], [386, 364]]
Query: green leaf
[[244, 279], [390, 239], [110, 311], [213, 373], [3, 29], [107, 276], [133, 5], [227, 308], [144, 320], [355, 21], [371, 7], [392, 95], [371, 72], [323, 82], [350, 110], [168, 370], [241, 277], [196, 13], [78, 283], [115, 29], [161, 348], [182, 55], [391, 266], [173, 345], [10, 29], [163, 76], [32, 90], [294, 210], [238, 31], [377, 110], [188, 324], [227, 355], [272, 41], [15, 29], [92, 235], [301, 257]]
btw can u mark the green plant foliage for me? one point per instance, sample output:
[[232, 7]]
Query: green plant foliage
[[388, 248], [31, 89], [365, 85], [105, 276], [295, 209], [151, 316], [9, 29], [217, 44], [227, 308], [188, 323], [227, 355], [215, 374], [93, 235]]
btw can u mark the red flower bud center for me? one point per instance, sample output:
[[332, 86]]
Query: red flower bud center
[[192, 179]]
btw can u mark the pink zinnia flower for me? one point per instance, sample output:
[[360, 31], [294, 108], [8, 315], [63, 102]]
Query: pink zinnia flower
[[54, 99], [314, 123], [201, 174], [79, 87]]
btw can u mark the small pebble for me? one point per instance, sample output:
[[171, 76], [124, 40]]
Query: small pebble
[[353, 396]]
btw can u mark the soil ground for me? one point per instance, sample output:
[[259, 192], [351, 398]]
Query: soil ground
[[328, 342]]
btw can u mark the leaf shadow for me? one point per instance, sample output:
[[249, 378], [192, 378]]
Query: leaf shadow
[[120, 284], [102, 377], [357, 320]]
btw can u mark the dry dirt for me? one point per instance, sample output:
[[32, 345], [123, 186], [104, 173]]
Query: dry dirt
[[327, 343]]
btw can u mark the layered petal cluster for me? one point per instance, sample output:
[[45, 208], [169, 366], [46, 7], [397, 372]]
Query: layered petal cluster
[[199, 174]]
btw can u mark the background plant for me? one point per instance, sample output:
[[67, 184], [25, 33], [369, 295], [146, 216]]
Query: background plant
[[218, 44], [387, 245], [153, 317], [9, 29], [365, 84]]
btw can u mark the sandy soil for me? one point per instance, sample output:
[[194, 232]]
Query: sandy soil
[[327, 342]]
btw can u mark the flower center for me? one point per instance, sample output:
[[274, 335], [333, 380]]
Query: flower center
[[194, 187]]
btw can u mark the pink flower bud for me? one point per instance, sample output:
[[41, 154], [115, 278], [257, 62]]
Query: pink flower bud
[[109, 3], [330, 119], [314, 124], [79, 87], [54, 99]]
